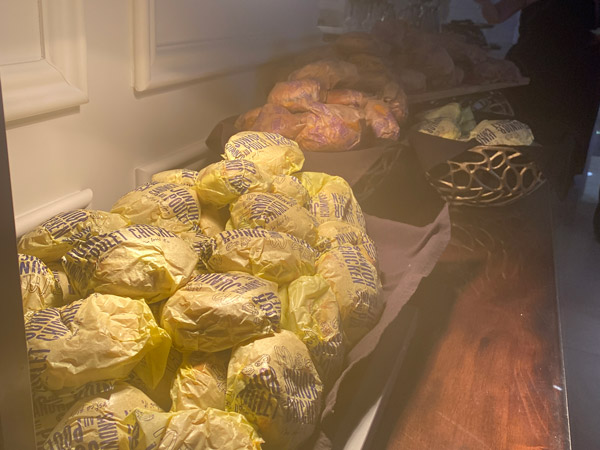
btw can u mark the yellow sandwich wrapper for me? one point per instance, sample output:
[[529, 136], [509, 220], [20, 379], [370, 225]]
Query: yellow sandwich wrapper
[[101, 337], [332, 234], [202, 245], [315, 182], [357, 288], [502, 132], [273, 153], [99, 422], [67, 290], [39, 288], [140, 261], [223, 182], [161, 393], [59, 234], [273, 382], [274, 256], [327, 206], [451, 111], [274, 212], [441, 127], [212, 221], [192, 429], [173, 207], [290, 186], [201, 381], [216, 311], [49, 407], [332, 199], [314, 316], [186, 177]]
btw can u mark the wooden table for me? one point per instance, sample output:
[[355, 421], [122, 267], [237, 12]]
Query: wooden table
[[485, 367]]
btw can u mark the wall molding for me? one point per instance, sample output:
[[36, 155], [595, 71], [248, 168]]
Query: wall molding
[[29, 220], [157, 66], [194, 156], [57, 81]]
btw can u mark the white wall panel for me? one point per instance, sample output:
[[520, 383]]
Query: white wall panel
[[19, 31], [55, 79], [183, 40], [99, 145]]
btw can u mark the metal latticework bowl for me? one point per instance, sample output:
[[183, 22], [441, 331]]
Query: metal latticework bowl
[[486, 176]]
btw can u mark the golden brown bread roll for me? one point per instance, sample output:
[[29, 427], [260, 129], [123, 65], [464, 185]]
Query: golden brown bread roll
[[330, 128], [296, 96], [277, 119]]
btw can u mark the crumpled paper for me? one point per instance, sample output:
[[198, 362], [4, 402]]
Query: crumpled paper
[[295, 95], [192, 429], [333, 234], [64, 284], [223, 182], [313, 315], [330, 128], [502, 132], [274, 212], [49, 407], [174, 207], [59, 234], [331, 199], [98, 422], [271, 152], [201, 381], [186, 177], [274, 256], [290, 186], [39, 287], [212, 222], [216, 311], [357, 288], [140, 261], [100, 337], [273, 382]]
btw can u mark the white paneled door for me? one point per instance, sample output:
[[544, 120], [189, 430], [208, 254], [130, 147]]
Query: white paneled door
[[42, 56]]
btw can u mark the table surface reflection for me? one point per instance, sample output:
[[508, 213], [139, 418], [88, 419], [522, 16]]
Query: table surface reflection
[[485, 367]]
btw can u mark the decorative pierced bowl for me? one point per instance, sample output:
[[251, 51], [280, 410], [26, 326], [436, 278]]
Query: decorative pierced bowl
[[486, 176]]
